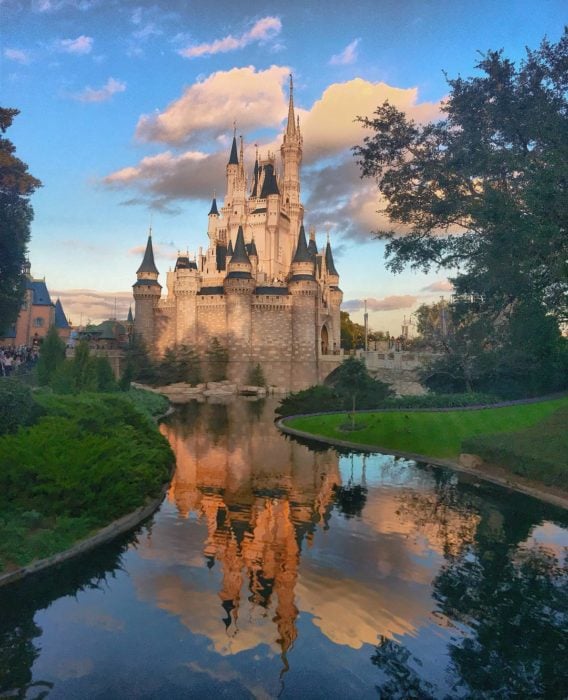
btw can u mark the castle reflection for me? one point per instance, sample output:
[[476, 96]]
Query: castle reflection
[[261, 498]]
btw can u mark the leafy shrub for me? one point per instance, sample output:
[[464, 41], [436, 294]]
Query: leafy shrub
[[92, 455], [151, 404], [16, 405], [316, 399], [51, 356]]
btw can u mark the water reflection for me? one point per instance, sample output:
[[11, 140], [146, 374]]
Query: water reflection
[[261, 498], [275, 569]]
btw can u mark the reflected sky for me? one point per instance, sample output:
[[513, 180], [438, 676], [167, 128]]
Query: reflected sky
[[273, 569]]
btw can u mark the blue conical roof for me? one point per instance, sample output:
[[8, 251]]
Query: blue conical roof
[[148, 264]]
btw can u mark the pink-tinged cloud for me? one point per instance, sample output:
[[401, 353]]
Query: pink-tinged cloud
[[80, 46], [347, 56], [439, 286], [17, 55], [263, 30], [330, 125], [92, 305], [208, 108], [103, 94], [390, 303]]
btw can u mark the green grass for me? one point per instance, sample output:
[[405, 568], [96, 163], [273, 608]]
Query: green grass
[[89, 459], [435, 434]]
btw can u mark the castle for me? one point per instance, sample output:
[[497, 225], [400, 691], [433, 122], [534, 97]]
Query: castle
[[266, 293]]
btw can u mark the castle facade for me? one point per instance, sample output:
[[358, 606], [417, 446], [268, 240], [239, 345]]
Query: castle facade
[[265, 291]]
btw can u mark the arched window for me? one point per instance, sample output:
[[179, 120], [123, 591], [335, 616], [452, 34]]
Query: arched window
[[324, 337]]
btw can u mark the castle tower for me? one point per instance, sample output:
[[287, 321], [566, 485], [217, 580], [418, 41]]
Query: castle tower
[[213, 222], [147, 291], [335, 297], [291, 151], [303, 287], [239, 285], [232, 170]]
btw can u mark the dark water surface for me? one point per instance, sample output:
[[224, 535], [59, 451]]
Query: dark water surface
[[273, 569]]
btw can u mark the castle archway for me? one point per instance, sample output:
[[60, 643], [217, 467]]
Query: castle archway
[[324, 340]]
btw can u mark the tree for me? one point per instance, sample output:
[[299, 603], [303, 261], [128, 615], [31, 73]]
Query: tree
[[484, 189], [217, 361], [51, 356], [352, 334], [16, 214], [434, 325]]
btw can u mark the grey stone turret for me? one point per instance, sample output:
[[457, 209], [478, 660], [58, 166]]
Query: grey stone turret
[[148, 264]]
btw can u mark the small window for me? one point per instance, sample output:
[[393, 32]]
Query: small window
[[38, 322]]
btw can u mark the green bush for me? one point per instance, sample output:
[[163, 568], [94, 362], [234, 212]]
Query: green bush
[[539, 452], [51, 356], [316, 399], [91, 455], [152, 405], [16, 405], [256, 376]]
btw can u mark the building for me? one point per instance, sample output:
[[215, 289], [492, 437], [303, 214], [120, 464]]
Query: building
[[261, 288], [37, 315]]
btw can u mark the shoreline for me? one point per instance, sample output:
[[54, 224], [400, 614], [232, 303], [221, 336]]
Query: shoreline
[[487, 472]]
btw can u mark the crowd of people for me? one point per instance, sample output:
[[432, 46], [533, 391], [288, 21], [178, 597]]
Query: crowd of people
[[14, 359]]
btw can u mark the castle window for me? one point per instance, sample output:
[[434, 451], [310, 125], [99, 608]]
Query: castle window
[[38, 322]]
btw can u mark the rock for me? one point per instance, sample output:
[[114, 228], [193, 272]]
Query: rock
[[470, 461]]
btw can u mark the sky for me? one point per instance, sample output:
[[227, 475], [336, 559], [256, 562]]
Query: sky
[[127, 111]]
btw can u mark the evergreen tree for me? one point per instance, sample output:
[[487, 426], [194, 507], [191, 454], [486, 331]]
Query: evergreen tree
[[51, 356], [256, 376], [189, 365], [217, 361]]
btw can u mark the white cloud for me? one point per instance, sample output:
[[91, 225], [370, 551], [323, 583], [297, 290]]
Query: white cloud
[[330, 125], [347, 56], [439, 286], [263, 30], [89, 94], [17, 55], [208, 108], [92, 305], [390, 303], [80, 46]]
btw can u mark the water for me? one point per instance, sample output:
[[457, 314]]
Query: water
[[276, 569]]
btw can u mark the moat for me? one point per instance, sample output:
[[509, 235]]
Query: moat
[[275, 568]]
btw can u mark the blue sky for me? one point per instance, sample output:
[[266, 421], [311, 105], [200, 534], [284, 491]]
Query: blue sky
[[127, 110]]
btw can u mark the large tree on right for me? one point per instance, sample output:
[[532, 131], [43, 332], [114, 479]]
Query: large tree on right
[[483, 192]]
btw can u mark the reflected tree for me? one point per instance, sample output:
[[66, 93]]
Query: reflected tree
[[516, 603], [401, 680]]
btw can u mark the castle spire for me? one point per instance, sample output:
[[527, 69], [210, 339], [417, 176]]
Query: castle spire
[[214, 210], [148, 264], [233, 158], [240, 255], [302, 254], [329, 259], [291, 125]]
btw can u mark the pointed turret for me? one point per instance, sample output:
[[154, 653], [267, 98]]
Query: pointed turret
[[330, 265], [251, 249], [233, 158], [60, 318], [148, 265], [312, 245], [130, 318], [269, 185], [302, 267], [291, 125], [214, 211], [302, 254], [240, 254], [230, 249]]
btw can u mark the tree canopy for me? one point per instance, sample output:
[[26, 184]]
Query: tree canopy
[[16, 214], [485, 189]]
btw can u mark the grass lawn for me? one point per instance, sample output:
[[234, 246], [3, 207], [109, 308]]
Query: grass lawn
[[435, 434]]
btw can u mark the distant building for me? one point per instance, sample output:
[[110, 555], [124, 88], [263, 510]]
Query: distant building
[[37, 315]]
